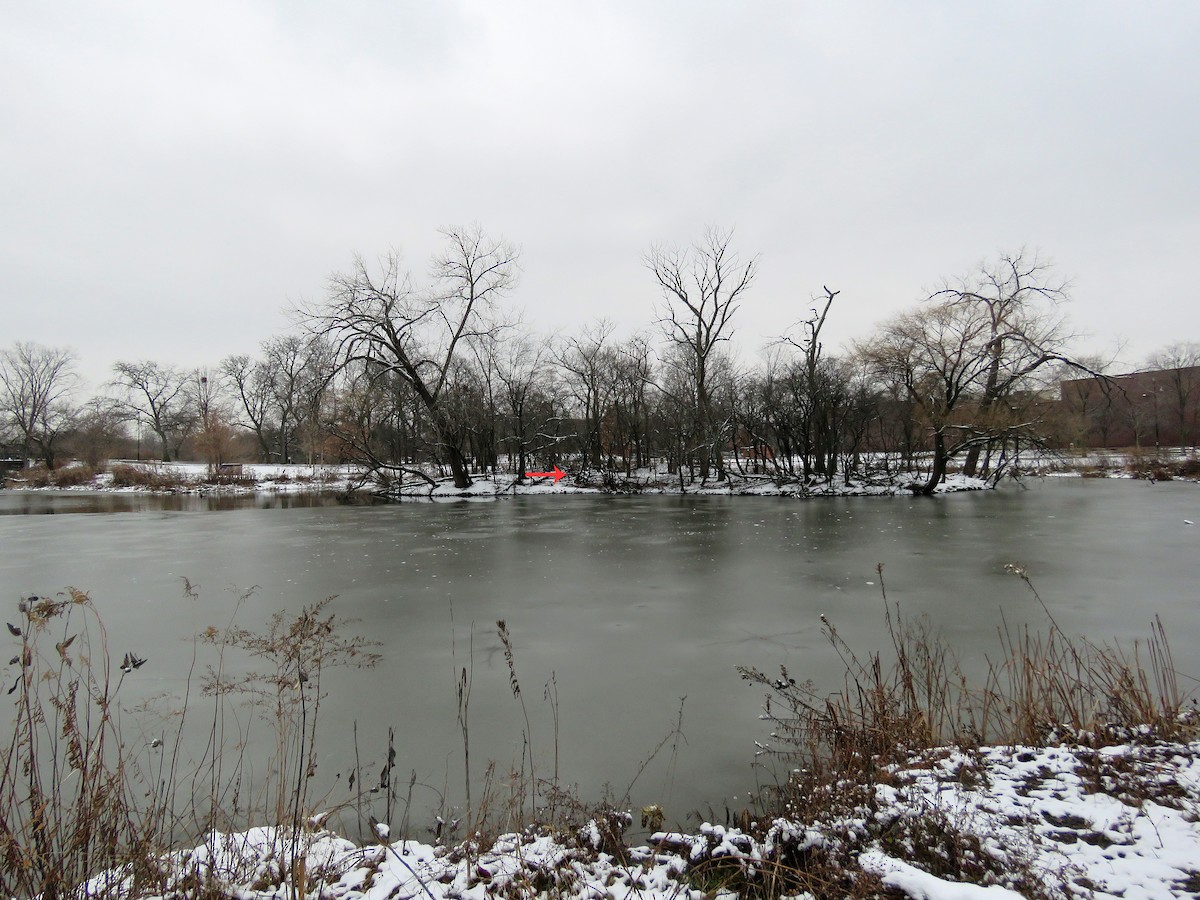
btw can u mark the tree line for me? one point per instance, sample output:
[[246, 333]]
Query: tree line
[[428, 378]]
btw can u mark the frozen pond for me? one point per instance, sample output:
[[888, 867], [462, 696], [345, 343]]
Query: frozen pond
[[630, 603]]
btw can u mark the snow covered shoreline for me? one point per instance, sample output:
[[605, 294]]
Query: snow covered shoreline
[[150, 477], [752, 486], [1001, 822], [195, 478]]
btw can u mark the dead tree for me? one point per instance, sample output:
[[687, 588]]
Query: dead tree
[[702, 286]]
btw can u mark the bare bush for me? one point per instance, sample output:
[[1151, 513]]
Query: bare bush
[[71, 802]]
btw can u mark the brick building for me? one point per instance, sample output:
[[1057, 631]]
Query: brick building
[[1155, 408]]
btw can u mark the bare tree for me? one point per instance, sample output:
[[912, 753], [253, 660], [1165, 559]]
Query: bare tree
[[393, 329], [204, 389], [213, 437], [702, 286], [250, 380], [631, 401], [818, 391], [586, 362], [528, 399], [155, 395], [284, 356], [763, 416], [1019, 299], [935, 356], [298, 369], [971, 358], [35, 387], [478, 401], [363, 422], [97, 432]]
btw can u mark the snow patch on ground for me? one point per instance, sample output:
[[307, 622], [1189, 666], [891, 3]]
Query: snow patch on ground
[[645, 483], [1070, 821], [253, 478]]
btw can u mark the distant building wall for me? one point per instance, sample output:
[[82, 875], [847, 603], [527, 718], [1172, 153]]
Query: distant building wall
[[1156, 408]]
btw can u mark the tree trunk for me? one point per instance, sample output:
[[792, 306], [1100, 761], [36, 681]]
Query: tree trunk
[[971, 464], [264, 446], [939, 465], [458, 467], [454, 456]]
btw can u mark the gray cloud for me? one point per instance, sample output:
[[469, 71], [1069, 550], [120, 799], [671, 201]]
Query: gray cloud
[[174, 177]]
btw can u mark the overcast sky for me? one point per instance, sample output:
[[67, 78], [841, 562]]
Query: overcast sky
[[176, 176]]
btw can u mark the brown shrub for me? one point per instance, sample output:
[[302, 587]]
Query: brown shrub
[[73, 476], [1188, 468], [145, 478], [39, 476], [35, 477], [1044, 686]]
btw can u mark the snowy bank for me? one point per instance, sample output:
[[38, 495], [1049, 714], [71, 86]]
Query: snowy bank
[[248, 478], [648, 483], [129, 476], [1120, 821]]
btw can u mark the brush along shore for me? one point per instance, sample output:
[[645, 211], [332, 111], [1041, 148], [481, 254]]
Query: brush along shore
[[1061, 821], [399, 484], [196, 478]]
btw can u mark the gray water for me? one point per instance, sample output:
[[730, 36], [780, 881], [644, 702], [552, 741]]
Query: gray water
[[628, 603]]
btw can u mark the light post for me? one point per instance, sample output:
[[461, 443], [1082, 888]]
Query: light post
[[1153, 395], [1157, 440], [1016, 441]]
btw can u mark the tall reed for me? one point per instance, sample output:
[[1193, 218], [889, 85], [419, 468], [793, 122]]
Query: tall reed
[[1042, 686], [72, 801]]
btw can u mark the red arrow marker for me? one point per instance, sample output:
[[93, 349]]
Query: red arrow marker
[[556, 474]]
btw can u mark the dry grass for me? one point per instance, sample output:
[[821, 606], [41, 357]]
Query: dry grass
[[33, 477], [286, 691], [75, 475], [1042, 688], [146, 478], [84, 791], [71, 801], [1150, 464]]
